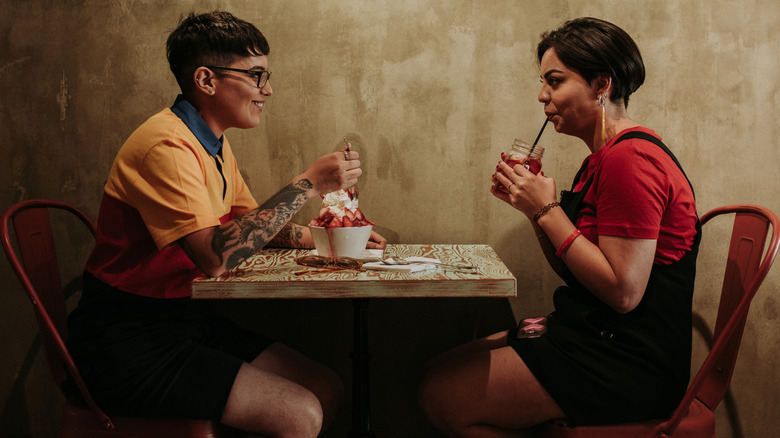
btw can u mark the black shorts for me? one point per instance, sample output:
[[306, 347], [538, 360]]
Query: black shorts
[[593, 380], [151, 357]]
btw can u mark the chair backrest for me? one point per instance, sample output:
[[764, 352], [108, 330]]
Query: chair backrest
[[38, 270], [746, 267]]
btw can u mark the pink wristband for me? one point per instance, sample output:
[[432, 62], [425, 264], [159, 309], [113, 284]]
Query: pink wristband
[[541, 320], [567, 243]]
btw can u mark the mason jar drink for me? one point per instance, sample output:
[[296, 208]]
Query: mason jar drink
[[526, 155]]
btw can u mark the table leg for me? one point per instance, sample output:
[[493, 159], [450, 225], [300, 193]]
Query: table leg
[[361, 403]]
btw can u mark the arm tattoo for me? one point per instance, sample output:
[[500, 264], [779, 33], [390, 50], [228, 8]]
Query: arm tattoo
[[289, 237], [237, 240]]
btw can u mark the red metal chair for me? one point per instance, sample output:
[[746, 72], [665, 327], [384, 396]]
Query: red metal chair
[[746, 267], [39, 274]]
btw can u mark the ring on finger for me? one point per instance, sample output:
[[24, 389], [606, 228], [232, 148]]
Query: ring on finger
[[510, 186]]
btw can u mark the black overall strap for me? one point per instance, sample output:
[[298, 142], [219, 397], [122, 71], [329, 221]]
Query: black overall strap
[[647, 137], [571, 200]]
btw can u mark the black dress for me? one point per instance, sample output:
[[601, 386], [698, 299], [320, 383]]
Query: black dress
[[602, 367]]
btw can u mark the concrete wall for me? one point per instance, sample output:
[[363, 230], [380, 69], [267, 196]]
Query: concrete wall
[[430, 91]]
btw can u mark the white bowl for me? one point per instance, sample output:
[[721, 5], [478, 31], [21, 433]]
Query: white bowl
[[341, 242]]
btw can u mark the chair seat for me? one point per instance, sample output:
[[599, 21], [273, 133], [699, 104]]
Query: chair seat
[[698, 423], [80, 422]]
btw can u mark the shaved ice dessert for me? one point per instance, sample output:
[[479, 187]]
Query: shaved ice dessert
[[340, 229], [340, 210]]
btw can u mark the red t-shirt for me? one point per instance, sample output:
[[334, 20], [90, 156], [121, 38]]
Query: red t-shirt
[[638, 192]]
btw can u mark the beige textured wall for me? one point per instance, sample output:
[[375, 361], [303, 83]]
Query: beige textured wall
[[431, 91]]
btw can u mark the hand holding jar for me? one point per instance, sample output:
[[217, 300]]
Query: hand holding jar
[[524, 154]]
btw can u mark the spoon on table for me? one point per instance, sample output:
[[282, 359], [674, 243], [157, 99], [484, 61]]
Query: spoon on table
[[403, 261]]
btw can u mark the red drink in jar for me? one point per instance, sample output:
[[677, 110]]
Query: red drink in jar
[[532, 164], [526, 155]]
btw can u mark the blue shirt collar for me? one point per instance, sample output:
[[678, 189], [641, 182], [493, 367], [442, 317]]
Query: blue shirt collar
[[189, 115]]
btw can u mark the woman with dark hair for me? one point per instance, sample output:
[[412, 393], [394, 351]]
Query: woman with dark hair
[[624, 239]]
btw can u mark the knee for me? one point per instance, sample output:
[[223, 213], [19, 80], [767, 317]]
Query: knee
[[309, 421], [304, 420], [431, 397], [330, 393], [294, 413]]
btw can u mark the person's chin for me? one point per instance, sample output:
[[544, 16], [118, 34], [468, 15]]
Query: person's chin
[[254, 120]]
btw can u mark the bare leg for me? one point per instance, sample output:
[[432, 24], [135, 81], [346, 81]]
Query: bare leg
[[283, 394], [485, 393], [492, 342], [317, 378]]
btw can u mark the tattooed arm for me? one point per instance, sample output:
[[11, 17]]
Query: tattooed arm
[[215, 250], [292, 236]]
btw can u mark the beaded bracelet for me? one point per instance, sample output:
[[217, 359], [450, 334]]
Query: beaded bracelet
[[543, 211], [567, 243]]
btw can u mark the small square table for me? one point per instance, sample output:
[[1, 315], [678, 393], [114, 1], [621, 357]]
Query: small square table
[[273, 273]]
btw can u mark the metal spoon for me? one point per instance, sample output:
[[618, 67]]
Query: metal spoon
[[403, 261], [354, 191]]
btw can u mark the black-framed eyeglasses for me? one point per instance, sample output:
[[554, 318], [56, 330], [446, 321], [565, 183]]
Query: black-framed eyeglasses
[[261, 75]]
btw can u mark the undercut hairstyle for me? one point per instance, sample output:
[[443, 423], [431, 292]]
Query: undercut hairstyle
[[214, 38], [594, 47]]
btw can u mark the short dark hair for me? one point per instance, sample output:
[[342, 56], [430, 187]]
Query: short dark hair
[[594, 47], [214, 38]]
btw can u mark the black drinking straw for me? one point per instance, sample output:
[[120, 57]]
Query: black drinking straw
[[538, 136]]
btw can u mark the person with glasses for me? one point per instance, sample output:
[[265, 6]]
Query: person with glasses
[[175, 206]]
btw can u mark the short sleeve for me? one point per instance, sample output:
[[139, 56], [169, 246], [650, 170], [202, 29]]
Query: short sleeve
[[174, 192], [632, 191]]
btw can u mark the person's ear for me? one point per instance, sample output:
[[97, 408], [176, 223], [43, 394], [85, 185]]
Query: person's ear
[[602, 85], [204, 80]]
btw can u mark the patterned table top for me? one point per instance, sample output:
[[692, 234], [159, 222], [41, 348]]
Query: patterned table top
[[272, 274]]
